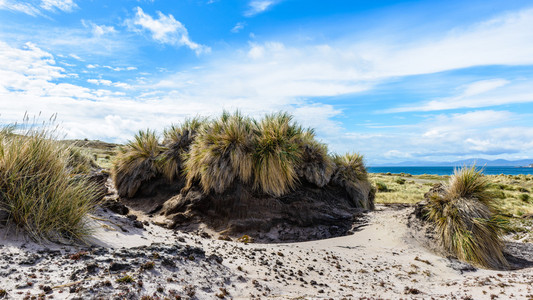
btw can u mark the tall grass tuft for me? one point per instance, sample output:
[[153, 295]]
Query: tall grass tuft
[[352, 175], [277, 153], [222, 152], [136, 163], [80, 162], [177, 141], [464, 219], [37, 191], [316, 165]]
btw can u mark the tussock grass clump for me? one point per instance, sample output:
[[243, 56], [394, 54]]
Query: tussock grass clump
[[316, 165], [222, 152], [352, 175], [177, 140], [464, 219], [80, 162], [277, 152], [136, 162], [37, 191]]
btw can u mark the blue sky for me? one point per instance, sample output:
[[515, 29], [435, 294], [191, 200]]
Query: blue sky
[[394, 80]]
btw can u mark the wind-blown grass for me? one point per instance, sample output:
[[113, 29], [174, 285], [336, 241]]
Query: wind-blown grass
[[221, 153], [316, 165], [352, 175], [465, 221], [277, 152], [177, 140], [136, 162], [37, 191]]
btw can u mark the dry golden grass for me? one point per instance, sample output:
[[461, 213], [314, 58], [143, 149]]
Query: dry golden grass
[[221, 153], [37, 189], [316, 165], [136, 162], [177, 141], [277, 153]]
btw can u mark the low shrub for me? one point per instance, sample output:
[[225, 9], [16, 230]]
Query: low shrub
[[381, 187], [136, 162], [221, 153], [177, 141], [316, 165], [277, 152], [464, 219], [524, 197], [400, 180], [37, 190]]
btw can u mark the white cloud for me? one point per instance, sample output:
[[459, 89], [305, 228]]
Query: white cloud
[[238, 27], [98, 30], [166, 30], [64, 5], [258, 6], [23, 7]]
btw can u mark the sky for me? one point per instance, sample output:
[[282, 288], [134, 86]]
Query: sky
[[393, 80]]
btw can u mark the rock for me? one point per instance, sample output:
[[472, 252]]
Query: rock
[[460, 266], [116, 207], [138, 224], [119, 267]]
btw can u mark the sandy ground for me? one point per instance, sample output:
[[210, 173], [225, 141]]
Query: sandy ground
[[380, 261]]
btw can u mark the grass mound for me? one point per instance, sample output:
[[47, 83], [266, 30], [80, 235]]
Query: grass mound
[[136, 163], [352, 175], [316, 165], [222, 153], [272, 156], [37, 190], [177, 141], [277, 153], [465, 221]]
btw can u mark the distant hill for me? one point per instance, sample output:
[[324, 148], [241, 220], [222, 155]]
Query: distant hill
[[478, 161]]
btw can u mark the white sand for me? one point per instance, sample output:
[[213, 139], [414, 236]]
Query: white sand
[[381, 260]]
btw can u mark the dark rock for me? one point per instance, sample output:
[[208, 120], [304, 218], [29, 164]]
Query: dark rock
[[47, 289], [460, 266], [119, 267], [132, 217], [116, 207], [138, 224], [91, 268], [216, 258]]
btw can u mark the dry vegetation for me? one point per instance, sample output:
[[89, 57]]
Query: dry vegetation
[[38, 190]]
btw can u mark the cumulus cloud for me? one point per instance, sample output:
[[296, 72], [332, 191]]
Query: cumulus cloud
[[165, 29]]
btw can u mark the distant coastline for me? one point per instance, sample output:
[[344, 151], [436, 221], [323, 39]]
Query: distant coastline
[[448, 170]]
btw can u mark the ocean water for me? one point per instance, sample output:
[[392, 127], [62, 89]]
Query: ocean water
[[448, 170]]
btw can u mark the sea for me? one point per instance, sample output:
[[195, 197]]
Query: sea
[[492, 170]]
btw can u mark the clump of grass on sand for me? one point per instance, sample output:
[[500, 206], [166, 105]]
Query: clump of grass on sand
[[352, 175], [177, 141], [316, 166], [37, 190], [462, 212], [222, 153], [273, 156], [136, 162], [277, 153]]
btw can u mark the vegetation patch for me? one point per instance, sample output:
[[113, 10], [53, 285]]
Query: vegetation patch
[[38, 190]]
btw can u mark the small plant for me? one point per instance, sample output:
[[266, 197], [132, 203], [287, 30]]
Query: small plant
[[381, 187], [400, 180], [125, 279], [524, 197], [245, 239], [149, 265]]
